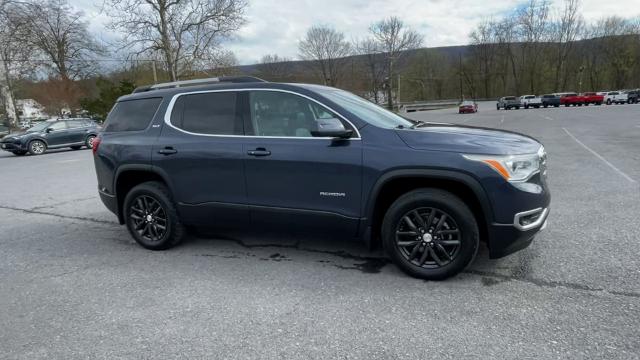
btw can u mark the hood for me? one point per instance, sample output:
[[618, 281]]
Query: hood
[[468, 140]]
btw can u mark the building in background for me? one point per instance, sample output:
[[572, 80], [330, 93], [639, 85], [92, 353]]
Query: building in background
[[29, 109]]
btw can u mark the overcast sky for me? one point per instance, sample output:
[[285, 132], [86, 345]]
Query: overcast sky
[[275, 26]]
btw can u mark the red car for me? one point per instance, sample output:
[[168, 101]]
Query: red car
[[592, 98], [467, 107], [574, 99]]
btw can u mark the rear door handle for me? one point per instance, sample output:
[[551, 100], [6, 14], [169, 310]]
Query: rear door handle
[[259, 152], [167, 151]]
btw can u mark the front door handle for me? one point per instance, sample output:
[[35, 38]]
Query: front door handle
[[259, 152], [167, 151]]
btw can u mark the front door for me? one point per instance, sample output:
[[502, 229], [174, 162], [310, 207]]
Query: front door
[[296, 181], [57, 134], [201, 152]]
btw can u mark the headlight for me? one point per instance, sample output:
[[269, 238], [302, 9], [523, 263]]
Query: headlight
[[514, 168]]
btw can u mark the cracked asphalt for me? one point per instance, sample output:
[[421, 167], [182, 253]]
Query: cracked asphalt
[[74, 285]]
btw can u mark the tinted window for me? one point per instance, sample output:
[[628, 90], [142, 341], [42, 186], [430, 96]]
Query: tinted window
[[132, 115], [282, 114], [75, 123], [510, 98], [58, 125], [209, 113]]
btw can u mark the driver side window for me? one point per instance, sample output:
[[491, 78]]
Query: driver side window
[[283, 114]]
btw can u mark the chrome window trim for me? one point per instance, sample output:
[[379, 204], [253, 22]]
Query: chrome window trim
[[167, 115]]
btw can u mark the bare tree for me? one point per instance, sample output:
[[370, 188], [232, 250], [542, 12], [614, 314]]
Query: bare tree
[[565, 30], [274, 67], [326, 48], [15, 53], [533, 25], [484, 52], [186, 34], [369, 50], [394, 38], [60, 34]]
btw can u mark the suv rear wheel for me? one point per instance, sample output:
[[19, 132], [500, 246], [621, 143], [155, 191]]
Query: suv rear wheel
[[151, 216], [430, 234]]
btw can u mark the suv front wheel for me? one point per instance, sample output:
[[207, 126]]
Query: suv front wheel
[[151, 216], [430, 234]]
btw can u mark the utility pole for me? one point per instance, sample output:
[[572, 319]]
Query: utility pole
[[460, 76], [155, 72], [7, 95], [398, 99]]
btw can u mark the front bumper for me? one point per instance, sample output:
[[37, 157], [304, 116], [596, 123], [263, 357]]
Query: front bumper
[[509, 238], [12, 146]]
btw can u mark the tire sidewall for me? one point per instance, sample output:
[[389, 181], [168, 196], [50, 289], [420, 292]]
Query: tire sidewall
[[88, 143], [37, 141], [169, 239], [447, 203]]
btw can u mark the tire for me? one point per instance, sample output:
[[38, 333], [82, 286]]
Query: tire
[[37, 147], [536, 106], [145, 219], [517, 107], [430, 258], [526, 106], [19, 153], [557, 105], [89, 141], [586, 104], [608, 101], [566, 105], [75, 147], [545, 106], [497, 107]]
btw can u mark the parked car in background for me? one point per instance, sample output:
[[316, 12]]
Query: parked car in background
[[615, 97], [592, 98], [73, 133], [550, 100], [508, 102], [467, 107], [571, 99], [238, 154], [632, 96], [25, 125], [530, 100]]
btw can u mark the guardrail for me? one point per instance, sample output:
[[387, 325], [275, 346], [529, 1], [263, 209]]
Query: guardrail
[[431, 105]]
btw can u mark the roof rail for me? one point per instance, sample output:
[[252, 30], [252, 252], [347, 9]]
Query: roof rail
[[215, 80]]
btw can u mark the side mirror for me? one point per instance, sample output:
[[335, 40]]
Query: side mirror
[[331, 127], [48, 130]]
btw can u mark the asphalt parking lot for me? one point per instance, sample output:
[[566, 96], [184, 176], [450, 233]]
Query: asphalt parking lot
[[74, 285]]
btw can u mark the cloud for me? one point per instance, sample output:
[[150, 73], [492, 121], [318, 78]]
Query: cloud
[[276, 26]]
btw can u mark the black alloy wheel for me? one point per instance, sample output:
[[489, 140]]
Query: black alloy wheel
[[430, 234], [151, 216], [148, 218], [428, 238]]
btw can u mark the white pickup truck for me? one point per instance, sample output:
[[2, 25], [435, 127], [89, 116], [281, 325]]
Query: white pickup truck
[[530, 100], [616, 97]]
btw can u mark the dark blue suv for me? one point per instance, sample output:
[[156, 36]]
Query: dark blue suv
[[238, 153]]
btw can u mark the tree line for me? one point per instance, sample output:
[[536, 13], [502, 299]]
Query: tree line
[[48, 53]]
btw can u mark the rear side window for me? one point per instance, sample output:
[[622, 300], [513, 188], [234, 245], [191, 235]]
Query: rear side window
[[132, 115], [213, 113]]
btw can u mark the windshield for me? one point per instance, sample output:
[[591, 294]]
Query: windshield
[[366, 110], [39, 127]]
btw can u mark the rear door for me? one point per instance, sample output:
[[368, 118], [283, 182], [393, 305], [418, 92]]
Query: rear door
[[200, 150], [76, 131], [296, 181]]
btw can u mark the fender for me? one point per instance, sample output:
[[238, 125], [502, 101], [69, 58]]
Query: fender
[[438, 174], [137, 167]]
